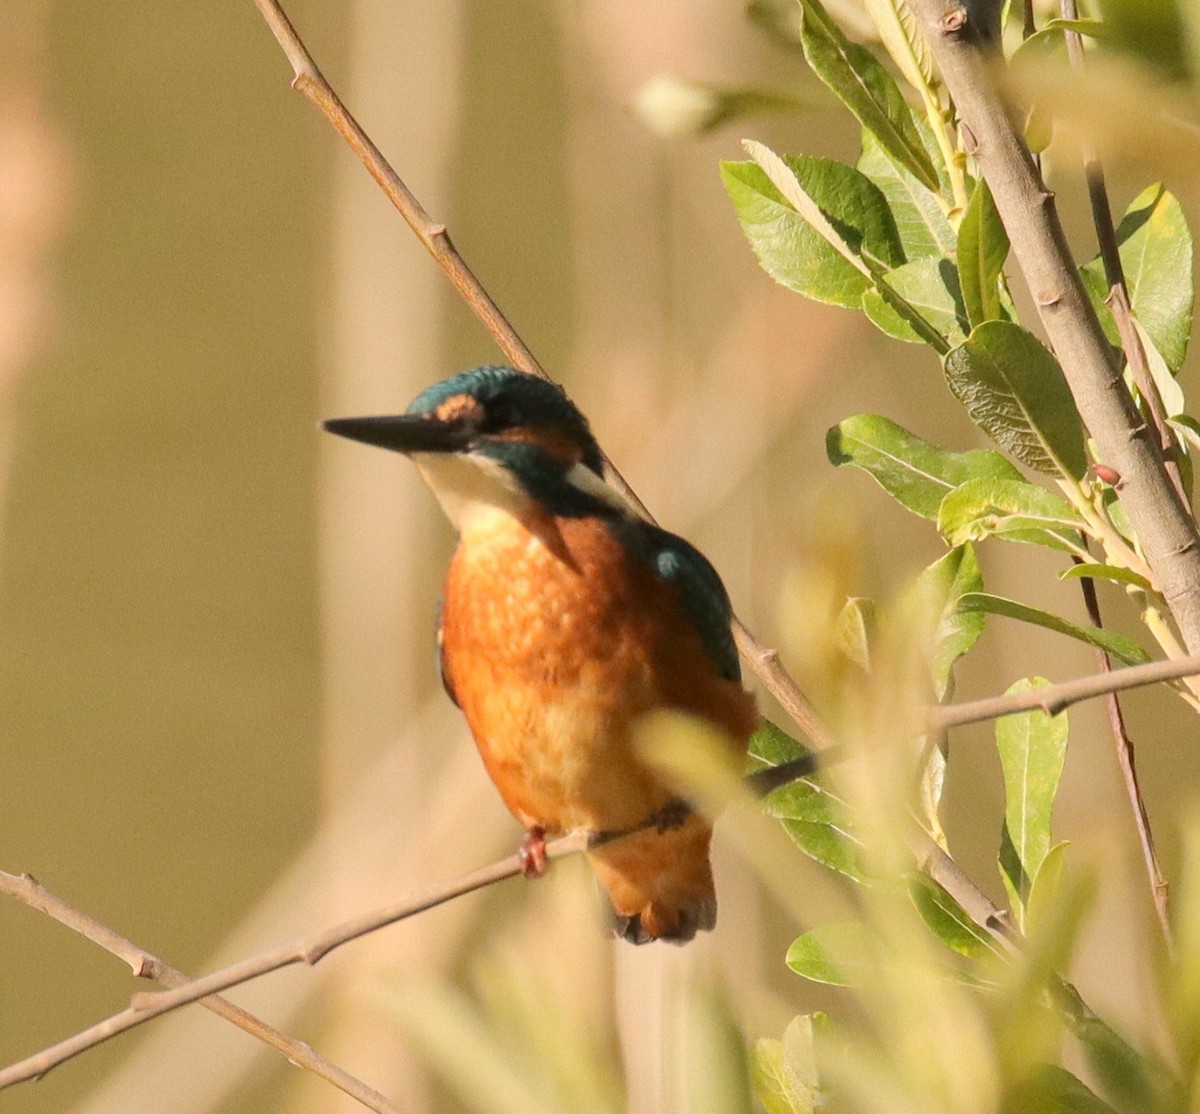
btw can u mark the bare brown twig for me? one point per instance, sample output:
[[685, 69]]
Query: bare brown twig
[[1052, 699], [1128, 766], [28, 890]]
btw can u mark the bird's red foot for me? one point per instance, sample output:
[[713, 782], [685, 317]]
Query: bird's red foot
[[673, 815], [532, 852]]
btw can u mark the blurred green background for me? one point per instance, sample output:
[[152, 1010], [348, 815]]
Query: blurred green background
[[220, 722]]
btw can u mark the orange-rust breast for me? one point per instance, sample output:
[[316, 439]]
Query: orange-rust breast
[[555, 640]]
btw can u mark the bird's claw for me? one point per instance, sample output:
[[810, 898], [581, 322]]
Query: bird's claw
[[672, 816], [532, 853]]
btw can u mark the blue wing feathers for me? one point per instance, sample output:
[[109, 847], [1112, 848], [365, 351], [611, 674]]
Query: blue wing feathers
[[680, 563]]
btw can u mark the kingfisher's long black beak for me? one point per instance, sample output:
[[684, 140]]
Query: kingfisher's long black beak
[[406, 433]]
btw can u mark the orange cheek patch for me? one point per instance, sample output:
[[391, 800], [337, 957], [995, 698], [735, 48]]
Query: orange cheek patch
[[557, 445]]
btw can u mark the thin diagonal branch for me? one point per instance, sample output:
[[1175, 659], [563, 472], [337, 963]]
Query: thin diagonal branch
[[1052, 699], [308, 80], [27, 889], [965, 55], [1128, 766]]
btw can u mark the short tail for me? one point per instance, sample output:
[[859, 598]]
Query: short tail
[[660, 883]]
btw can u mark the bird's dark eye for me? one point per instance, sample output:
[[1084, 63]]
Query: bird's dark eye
[[501, 414]]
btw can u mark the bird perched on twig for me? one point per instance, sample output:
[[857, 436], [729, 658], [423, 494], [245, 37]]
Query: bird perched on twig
[[565, 618]]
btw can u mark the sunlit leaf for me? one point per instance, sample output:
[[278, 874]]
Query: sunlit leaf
[[903, 40], [1122, 648], [982, 250], [1033, 748], [785, 1071], [1045, 887], [843, 954], [795, 253], [947, 920], [864, 87], [1014, 390], [915, 472], [1014, 510], [1157, 256], [940, 589], [717, 1068], [1114, 573], [920, 218], [930, 287], [809, 813], [852, 630], [1165, 383]]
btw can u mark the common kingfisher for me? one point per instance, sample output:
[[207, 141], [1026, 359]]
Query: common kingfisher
[[566, 617]]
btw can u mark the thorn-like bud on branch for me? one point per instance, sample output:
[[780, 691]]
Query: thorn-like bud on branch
[[953, 21]]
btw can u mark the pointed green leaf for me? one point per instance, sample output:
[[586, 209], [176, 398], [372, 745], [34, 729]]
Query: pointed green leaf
[[1045, 888], [1033, 748], [929, 287], [1104, 572], [1132, 1080], [948, 920], [810, 814], [843, 954], [903, 40], [784, 1071], [1117, 645], [853, 629], [1014, 390], [982, 250], [1166, 384], [915, 472], [794, 252], [1050, 1089], [1156, 255], [1014, 510], [920, 216], [864, 87], [940, 588]]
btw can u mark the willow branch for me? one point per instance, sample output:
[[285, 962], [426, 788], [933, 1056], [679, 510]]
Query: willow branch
[[1118, 290], [1052, 699], [309, 81], [1128, 766], [1164, 525], [28, 890]]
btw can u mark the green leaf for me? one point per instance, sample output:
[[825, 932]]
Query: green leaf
[[1014, 510], [920, 218], [1117, 645], [1126, 1076], [813, 818], [843, 954], [930, 287], [1114, 573], [982, 250], [948, 920], [915, 472], [853, 629], [1014, 390], [1033, 748], [1165, 383], [940, 589], [1050, 1089], [784, 1072], [797, 254], [903, 40], [1045, 888], [1156, 252], [864, 87]]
